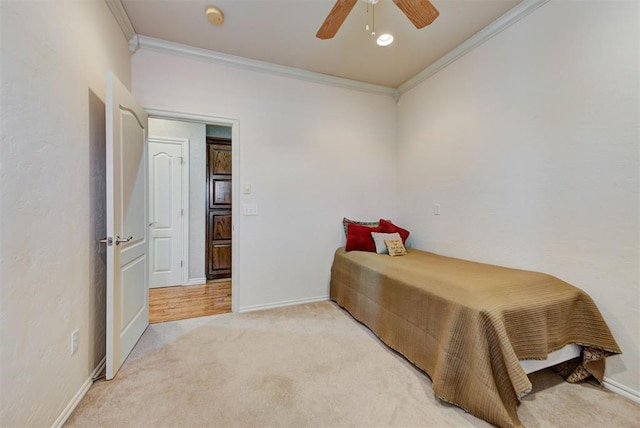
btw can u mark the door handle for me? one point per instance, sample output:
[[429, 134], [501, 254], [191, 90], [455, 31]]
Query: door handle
[[120, 240]]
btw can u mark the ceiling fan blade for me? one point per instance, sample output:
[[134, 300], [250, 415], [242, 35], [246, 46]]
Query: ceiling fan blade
[[420, 12], [334, 20]]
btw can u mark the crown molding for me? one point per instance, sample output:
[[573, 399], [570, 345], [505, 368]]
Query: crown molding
[[120, 14], [143, 42], [150, 43], [510, 17]]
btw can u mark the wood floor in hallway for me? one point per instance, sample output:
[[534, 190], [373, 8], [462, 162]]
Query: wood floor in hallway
[[181, 302]]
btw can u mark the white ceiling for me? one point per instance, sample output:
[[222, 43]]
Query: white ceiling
[[283, 32]]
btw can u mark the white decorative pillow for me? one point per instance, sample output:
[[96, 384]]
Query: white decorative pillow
[[378, 238]]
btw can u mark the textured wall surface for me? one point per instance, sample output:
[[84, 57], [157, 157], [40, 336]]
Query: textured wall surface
[[530, 145], [312, 154], [196, 134], [52, 200]]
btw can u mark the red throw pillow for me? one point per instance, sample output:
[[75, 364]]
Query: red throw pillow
[[388, 227], [359, 238]]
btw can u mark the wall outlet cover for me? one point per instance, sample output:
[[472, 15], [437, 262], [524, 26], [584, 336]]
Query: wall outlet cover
[[75, 341]]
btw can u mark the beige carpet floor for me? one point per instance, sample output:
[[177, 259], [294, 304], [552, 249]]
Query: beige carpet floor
[[304, 366]]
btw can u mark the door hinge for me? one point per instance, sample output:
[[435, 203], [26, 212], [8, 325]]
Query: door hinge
[[181, 263], [181, 159], [181, 211]]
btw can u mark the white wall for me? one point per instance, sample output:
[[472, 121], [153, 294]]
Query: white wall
[[312, 154], [530, 145], [52, 200], [196, 134]]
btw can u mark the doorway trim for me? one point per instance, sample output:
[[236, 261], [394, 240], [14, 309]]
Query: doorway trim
[[235, 189], [184, 201]]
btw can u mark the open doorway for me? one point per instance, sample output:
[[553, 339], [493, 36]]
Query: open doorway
[[205, 213]]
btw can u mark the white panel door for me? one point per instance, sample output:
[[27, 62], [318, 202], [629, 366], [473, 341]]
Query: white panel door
[[165, 213], [127, 233]]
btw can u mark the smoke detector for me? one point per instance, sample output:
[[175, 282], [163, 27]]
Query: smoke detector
[[214, 15]]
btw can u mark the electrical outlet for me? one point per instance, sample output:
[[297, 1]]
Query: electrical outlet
[[436, 209], [74, 341]]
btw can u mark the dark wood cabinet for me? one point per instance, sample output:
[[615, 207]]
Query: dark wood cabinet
[[219, 225]]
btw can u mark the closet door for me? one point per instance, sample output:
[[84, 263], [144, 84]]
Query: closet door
[[218, 208]]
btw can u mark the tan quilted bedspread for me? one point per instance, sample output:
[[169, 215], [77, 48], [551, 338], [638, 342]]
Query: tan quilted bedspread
[[467, 324]]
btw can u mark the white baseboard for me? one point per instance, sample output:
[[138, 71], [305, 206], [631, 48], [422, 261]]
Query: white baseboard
[[283, 303], [620, 389], [196, 281], [79, 395]]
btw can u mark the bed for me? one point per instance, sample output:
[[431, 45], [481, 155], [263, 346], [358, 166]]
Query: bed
[[468, 325]]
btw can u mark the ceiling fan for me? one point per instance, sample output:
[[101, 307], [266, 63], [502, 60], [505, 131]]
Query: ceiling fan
[[420, 12]]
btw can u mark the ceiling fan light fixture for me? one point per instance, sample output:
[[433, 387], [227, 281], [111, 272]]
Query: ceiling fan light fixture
[[420, 12], [385, 39], [214, 15]]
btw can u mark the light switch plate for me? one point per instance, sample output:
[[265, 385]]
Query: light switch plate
[[249, 209], [246, 188]]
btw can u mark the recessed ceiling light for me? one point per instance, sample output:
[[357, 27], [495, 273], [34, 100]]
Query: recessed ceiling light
[[214, 15], [385, 40]]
